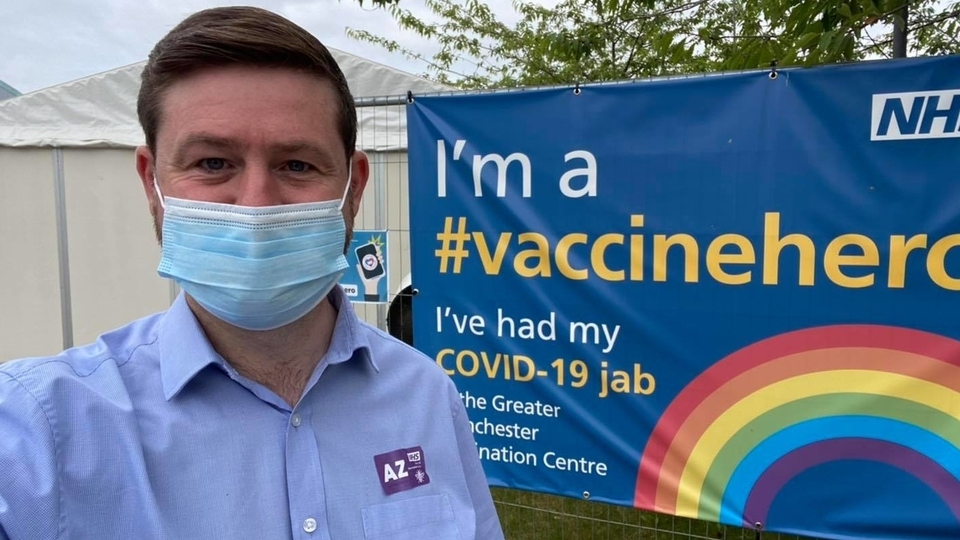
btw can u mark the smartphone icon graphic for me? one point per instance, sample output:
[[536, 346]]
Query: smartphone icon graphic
[[369, 262]]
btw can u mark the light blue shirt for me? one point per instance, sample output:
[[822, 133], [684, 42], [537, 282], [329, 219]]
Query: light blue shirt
[[149, 434]]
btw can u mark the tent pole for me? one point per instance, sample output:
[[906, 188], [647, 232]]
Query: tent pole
[[380, 221], [174, 291], [63, 249]]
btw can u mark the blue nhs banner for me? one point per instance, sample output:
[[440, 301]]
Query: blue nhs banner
[[727, 298]]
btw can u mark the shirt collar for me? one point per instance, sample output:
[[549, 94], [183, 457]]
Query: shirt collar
[[349, 335], [185, 350]]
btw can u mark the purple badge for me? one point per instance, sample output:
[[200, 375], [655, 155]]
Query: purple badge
[[402, 469]]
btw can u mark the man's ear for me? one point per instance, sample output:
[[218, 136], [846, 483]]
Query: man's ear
[[361, 174], [146, 169]]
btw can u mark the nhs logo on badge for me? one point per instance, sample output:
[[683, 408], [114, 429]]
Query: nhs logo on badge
[[915, 115]]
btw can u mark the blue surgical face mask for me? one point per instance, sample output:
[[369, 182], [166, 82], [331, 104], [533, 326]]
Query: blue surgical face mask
[[257, 268]]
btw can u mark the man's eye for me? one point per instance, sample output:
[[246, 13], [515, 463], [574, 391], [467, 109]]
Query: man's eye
[[298, 166], [213, 164]]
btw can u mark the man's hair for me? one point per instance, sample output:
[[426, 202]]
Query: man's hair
[[241, 36]]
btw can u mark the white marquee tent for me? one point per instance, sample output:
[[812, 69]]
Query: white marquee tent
[[78, 255]]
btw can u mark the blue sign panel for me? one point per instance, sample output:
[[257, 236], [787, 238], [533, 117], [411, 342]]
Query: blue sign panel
[[367, 279], [725, 297]]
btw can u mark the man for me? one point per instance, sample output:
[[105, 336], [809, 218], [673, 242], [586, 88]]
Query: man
[[258, 406]]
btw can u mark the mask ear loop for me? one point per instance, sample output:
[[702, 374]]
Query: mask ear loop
[[156, 188], [343, 198]]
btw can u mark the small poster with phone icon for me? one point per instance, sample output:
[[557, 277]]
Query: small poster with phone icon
[[367, 279]]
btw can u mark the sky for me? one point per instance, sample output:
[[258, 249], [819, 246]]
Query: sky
[[48, 42]]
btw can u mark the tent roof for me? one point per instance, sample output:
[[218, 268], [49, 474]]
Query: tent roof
[[100, 110], [7, 91]]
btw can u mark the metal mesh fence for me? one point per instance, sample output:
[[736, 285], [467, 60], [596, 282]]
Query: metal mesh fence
[[524, 515], [535, 516], [384, 204]]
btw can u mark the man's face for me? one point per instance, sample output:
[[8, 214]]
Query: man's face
[[253, 137]]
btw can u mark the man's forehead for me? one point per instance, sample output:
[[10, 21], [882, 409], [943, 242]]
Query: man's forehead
[[288, 109], [232, 88], [241, 75]]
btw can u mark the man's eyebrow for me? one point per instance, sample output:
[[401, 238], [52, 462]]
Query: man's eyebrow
[[293, 147], [201, 139], [222, 143]]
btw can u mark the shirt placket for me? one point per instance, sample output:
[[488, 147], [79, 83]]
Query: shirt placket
[[305, 478]]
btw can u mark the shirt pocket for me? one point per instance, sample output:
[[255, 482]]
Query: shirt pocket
[[418, 518]]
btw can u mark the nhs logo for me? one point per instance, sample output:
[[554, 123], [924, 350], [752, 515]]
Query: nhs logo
[[915, 115]]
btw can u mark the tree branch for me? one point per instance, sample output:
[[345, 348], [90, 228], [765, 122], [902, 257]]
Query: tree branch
[[668, 11], [633, 51], [911, 29], [874, 41], [540, 66]]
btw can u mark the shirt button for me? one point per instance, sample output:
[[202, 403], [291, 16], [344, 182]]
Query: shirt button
[[309, 525], [295, 420]]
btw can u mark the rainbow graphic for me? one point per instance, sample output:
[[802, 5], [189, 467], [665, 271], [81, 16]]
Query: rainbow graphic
[[739, 432]]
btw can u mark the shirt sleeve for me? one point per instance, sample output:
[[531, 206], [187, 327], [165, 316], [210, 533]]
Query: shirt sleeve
[[29, 489], [488, 523]]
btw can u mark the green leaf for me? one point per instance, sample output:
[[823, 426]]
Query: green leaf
[[807, 39]]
